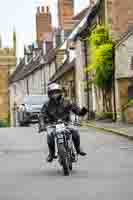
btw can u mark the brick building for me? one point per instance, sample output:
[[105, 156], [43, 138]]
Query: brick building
[[43, 25], [65, 11], [122, 16]]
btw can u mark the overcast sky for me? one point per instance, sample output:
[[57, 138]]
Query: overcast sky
[[21, 15]]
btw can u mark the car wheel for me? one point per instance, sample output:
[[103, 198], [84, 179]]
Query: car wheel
[[27, 124], [21, 124], [21, 119]]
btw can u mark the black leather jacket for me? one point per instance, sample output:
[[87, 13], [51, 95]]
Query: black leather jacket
[[53, 111]]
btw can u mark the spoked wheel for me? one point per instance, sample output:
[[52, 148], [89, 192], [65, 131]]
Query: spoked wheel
[[64, 159], [70, 165], [66, 167], [69, 155]]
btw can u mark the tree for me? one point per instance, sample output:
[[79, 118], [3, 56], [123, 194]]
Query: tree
[[102, 63]]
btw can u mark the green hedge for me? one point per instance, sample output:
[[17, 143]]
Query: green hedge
[[104, 115], [4, 123], [130, 103]]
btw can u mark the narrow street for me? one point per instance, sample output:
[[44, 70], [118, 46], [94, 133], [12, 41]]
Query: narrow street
[[105, 174]]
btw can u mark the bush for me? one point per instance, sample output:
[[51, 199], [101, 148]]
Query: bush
[[100, 35], [130, 103], [101, 57], [4, 123], [104, 115]]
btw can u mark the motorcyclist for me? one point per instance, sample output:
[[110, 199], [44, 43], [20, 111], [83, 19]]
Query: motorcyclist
[[59, 108]]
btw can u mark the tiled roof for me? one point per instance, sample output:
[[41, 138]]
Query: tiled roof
[[125, 36], [91, 13], [17, 71], [63, 69], [49, 57], [23, 70], [85, 22], [81, 14]]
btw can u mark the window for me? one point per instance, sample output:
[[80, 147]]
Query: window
[[130, 89], [15, 90], [131, 64], [110, 20]]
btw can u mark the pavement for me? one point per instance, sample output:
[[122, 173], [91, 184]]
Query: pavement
[[119, 128], [106, 173]]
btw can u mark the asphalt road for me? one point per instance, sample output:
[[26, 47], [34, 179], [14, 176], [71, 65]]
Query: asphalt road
[[105, 174]]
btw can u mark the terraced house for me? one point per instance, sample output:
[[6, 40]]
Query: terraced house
[[65, 58], [64, 64], [40, 65]]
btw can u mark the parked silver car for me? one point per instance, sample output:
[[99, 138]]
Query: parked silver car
[[30, 108]]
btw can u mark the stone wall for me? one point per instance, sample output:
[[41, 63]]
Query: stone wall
[[4, 97], [128, 114], [79, 74], [121, 96], [7, 65], [124, 72]]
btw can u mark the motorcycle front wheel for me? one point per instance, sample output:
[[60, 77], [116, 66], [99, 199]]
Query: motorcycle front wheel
[[70, 166], [64, 159]]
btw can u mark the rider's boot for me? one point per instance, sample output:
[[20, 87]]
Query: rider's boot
[[51, 154], [76, 141], [50, 157], [74, 157], [81, 152]]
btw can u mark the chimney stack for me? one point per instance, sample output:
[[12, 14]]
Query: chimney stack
[[42, 9], [43, 24], [47, 9], [38, 10], [92, 2]]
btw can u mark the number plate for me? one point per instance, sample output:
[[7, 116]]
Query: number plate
[[60, 127], [60, 138], [59, 135], [60, 141]]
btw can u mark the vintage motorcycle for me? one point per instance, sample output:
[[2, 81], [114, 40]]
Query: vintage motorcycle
[[66, 153]]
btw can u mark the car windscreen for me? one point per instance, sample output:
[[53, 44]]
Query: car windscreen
[[35, 100]]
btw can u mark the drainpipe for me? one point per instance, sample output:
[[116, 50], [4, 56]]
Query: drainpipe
[[8, 83], [86, 64], [114, 91], [27, 86]]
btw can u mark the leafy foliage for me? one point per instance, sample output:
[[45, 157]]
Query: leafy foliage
[[3, 123], [99, 36], [130, 103], [101, 57], [101, 66], [104, 115]]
